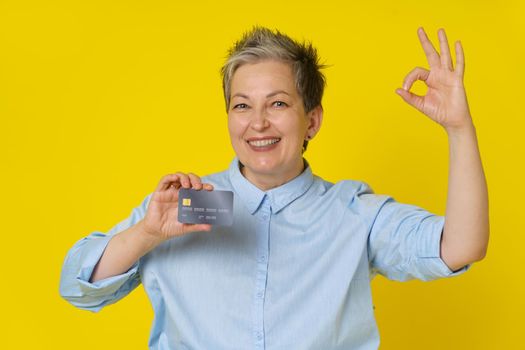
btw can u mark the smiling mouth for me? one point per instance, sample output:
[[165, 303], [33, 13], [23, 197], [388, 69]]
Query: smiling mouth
[[263, 143]]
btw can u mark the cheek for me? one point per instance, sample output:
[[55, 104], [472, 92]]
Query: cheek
[[292, 129], [231, 126], [236, 128]]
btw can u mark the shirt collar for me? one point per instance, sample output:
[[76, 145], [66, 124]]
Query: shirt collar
[[279, 197]]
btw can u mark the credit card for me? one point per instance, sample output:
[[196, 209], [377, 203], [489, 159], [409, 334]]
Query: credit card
[[205, 207]]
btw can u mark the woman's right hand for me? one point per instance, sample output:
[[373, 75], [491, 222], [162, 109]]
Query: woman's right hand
[[160, 221]]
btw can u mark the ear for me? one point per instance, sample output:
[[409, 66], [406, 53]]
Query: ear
[[315, 119]]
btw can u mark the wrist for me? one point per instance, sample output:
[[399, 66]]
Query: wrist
[[459, 130], [147, 240]]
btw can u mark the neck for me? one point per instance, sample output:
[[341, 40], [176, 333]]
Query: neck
[[266, 182]]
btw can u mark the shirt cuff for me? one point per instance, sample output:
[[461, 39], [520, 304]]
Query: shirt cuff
[[111, 284], [429, 250]]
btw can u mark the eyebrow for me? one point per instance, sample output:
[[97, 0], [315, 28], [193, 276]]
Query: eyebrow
[[271, 94]]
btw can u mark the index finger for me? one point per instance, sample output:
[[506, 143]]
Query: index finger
[[195, 181], [430, 51], [167, 181]]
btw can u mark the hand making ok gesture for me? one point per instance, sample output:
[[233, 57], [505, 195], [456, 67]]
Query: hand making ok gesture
[[445, 101]]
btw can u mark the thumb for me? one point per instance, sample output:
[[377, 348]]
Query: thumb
[[414, 100]]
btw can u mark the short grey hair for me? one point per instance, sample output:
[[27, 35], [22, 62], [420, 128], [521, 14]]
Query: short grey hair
[[261, 43]]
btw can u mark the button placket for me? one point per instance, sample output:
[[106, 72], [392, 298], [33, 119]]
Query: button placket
[[262, 271]]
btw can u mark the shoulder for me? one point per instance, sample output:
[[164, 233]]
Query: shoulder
[[355, 195], [219, 180]]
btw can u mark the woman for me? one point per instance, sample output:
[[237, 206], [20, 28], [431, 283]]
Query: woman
[[294, 269]]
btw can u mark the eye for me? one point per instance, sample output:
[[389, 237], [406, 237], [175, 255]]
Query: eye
[[240, 106], [280, 104]]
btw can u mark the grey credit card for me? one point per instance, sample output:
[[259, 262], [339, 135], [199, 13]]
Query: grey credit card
[[205, 207]]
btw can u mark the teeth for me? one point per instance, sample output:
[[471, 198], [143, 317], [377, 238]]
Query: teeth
[[262, 143]]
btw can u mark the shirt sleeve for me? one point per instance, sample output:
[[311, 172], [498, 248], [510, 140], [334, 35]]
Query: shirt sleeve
[[404, 240], [81, 260]]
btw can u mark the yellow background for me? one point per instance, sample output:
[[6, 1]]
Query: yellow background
[[99, 99]]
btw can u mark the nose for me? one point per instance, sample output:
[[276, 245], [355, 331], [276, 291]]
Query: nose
[[259, 119]]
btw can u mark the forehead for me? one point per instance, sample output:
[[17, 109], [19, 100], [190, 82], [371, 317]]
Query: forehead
[[263, 75]]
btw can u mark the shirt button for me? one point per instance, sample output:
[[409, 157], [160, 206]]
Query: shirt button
[[265, 217], [260, 294], [259, 336], [262, 258]]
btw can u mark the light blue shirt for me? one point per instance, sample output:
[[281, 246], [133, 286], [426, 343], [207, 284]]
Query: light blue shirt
[[293, 272]]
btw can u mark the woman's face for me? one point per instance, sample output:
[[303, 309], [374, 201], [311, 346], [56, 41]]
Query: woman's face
[[268, 124]]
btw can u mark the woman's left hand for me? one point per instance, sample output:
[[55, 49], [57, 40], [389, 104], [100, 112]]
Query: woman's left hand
[[445, 101]]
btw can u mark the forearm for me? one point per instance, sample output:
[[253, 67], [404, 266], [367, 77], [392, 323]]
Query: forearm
[[466, 232], [122, 251]]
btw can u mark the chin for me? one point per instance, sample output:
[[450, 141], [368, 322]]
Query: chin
[[264, 168], [261, 167]]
